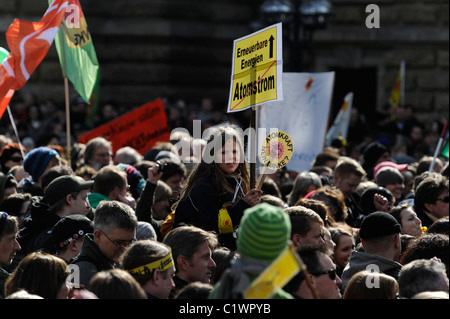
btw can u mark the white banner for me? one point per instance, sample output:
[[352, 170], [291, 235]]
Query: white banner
[[303, 114]]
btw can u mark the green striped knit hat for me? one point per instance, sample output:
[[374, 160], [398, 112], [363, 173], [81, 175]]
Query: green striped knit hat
[[264, 232]]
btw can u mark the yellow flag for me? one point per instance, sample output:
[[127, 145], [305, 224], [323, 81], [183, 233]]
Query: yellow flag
[[278, 274], [397, 93]]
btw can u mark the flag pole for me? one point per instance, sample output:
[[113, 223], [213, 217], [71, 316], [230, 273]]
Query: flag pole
[[252, 144], [438, 147], [402, 83], [66, 94], [15, 130]]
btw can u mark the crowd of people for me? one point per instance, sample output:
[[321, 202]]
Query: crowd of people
[[369, 220]]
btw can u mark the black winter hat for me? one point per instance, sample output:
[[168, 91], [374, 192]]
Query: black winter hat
[[372, 153], [379, 224]]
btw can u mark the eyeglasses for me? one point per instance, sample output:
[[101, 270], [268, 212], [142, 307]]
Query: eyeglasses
[[331, 273], [16, 159], [120, 243], [444, 199]]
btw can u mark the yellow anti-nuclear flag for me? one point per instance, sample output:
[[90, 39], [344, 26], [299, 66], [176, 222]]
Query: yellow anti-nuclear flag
[[278, 274], [398, 91]]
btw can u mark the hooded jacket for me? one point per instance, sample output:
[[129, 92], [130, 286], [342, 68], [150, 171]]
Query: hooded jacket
[[363, 261], [34, 232]]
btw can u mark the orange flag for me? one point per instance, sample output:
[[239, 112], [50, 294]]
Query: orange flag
[[29, 43]]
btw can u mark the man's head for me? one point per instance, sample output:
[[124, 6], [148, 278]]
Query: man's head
[[8, 238], [98, 153], [432, 196], [191, 249], [67, 195], [152, 265], [115, 227], [321, 272], [306, 226], [380, 235], [110, 181], [422, 275], [347, 175]]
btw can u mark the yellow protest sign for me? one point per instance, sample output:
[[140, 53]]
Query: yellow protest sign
[[278, 274], [257, 69]]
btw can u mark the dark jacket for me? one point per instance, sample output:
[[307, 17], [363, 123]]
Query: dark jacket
[[35, 232], [179, 284], [202, 206], [360, 261], [27, 185], [144, 209], [4, 275], [91, 260]]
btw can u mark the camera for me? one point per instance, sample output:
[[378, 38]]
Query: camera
[[161, 166]]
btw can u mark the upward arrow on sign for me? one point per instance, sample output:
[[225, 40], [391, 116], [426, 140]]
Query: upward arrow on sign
[[271, 39]]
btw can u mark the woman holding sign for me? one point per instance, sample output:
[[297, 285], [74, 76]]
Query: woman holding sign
[[217, 191]]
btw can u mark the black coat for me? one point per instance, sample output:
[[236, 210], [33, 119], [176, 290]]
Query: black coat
[[202, 206], [35, 231], [91, 260]]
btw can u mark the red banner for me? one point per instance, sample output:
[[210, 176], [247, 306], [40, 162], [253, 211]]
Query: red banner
[[140, 129]]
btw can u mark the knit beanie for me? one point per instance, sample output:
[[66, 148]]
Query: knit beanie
[[134, 178], [263, 233], [388, 175], [379, 224], [37, 160]]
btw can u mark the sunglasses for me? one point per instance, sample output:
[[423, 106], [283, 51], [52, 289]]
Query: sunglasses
[[16, 159], [444, 199], [331, 273]]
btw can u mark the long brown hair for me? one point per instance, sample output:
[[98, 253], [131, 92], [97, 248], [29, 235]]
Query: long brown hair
[[207, 168], [38, 273]]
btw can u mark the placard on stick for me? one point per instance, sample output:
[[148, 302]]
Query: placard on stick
[[275, 152]]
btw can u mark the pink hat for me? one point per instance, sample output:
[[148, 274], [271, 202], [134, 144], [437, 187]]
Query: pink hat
[[400, 167]]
